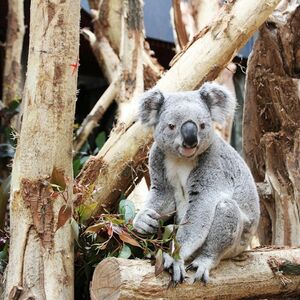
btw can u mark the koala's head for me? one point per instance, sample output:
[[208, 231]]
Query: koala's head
[[183, 122]]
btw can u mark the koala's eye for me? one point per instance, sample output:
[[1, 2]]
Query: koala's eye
[[202, 125], [171, 126]]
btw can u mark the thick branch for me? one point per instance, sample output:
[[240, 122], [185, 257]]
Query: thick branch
[[12, 83], [127, 146], [131, 56], [233, 279]]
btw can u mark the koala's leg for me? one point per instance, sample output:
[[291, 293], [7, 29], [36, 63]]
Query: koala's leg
[[224, 237]]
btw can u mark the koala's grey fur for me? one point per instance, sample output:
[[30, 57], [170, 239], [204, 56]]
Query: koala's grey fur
[[209, 187]]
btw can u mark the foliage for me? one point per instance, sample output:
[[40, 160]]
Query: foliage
[[112, 235], [7, 151], [86, 151], [4, 242]]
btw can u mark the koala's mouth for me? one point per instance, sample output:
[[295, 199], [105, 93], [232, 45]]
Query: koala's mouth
[[187, 152]]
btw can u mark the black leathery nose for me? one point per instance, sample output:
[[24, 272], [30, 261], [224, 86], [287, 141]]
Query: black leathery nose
[[189, 133]]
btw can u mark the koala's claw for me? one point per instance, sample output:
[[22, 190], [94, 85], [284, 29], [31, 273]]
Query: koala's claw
[[146, 221], [202, 270], [202, 274], [175, 267]]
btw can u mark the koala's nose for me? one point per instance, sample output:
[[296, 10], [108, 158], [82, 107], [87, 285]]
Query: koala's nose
[[189, 133]]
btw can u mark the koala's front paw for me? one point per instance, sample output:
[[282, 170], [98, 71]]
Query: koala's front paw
[[146, 221], [175, 267]]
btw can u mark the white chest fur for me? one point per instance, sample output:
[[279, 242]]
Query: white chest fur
[[178, 171]]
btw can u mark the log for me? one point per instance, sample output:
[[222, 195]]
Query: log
[[249, 277], [202, 60]]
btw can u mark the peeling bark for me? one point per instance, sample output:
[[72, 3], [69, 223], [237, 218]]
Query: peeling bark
[[129, 142], [12, 81], [271, 122], [41, 248]]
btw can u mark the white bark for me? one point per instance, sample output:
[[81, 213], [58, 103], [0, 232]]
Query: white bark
[[12, 83], [126, 149], [232, 279], [41, 245], [131, 54]]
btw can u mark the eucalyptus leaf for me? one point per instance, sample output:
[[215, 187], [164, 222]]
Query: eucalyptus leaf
[[168, 232], [76, 166], [100, 139], [125, 252], [127, 209]]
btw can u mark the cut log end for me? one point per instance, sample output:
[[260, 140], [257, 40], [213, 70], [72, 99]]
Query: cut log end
[[249, 276]]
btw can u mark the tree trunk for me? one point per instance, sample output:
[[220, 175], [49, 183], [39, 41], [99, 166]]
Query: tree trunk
[[271, 122], [41, 243], [202, 60], [250, 276], [12, 81], [131, 56]]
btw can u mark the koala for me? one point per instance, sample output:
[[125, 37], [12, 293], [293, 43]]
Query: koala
[[198, 178]]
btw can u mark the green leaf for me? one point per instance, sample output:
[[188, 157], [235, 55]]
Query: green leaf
[[125, 252], [85, 211], [176, 248], [127, 209], [84, 159], [85, 148], [100, 139], [169, 230], [14, 106], [76, 166], [78, 163]]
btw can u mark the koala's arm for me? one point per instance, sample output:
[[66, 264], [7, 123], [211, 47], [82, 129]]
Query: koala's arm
[[160, 203]]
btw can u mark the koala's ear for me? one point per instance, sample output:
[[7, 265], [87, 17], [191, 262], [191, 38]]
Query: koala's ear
[[219, 101], [150, 105]]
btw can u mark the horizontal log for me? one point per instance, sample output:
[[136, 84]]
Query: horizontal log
[[247, 277]]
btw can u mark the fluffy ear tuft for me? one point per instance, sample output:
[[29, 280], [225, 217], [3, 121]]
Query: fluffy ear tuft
[[219, 100], [150, 104]]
